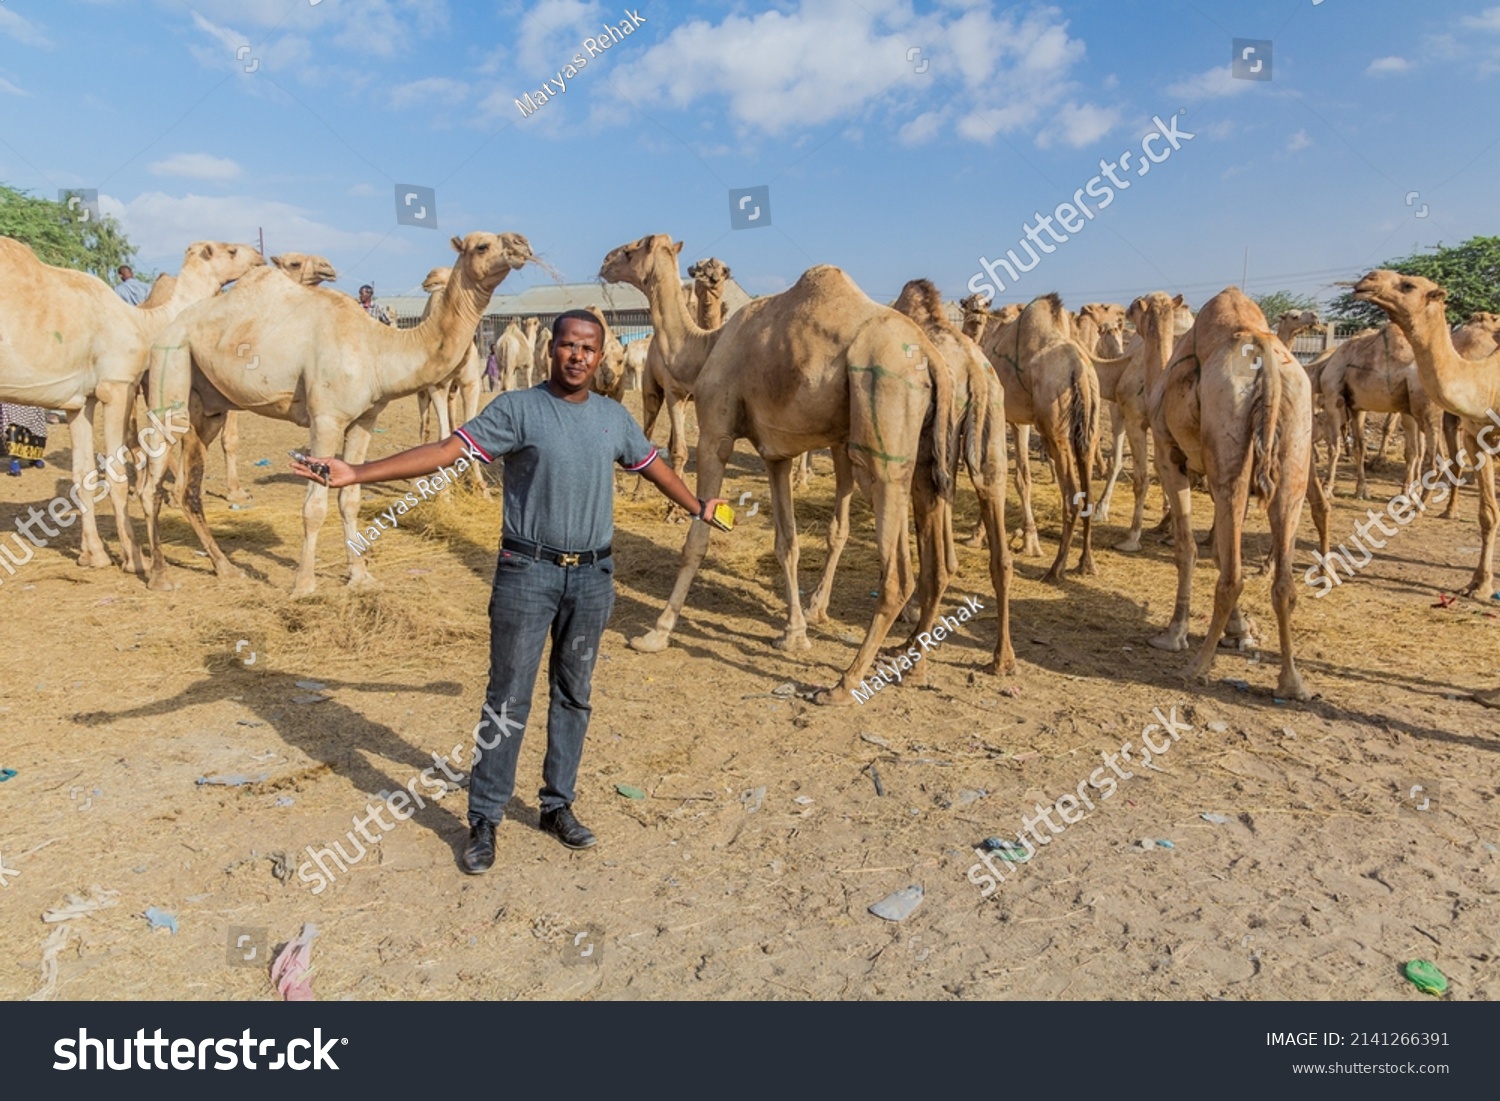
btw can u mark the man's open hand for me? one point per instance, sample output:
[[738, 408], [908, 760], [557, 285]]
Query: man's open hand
[[340, 473]]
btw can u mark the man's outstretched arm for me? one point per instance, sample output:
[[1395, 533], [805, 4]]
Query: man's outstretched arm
[[674, 489], [412, 463]]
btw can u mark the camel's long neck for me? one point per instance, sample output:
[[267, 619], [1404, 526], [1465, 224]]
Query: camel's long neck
[[413, 359], [684, 345], [1156, 346], [1111, 369], [194, 284], [1286, 331], [710, 308], [1456, 384]]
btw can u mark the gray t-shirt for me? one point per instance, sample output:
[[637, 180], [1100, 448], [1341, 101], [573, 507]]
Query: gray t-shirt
[[559, 467]]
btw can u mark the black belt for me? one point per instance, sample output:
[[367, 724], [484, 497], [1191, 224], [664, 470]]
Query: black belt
[[553, 555]]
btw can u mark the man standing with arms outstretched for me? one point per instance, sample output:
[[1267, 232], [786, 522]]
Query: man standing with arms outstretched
[[555, 575]]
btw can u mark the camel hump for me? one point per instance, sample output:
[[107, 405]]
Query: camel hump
[[827, 279]]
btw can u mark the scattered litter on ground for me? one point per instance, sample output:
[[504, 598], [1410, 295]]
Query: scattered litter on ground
[[233, 779], [970, 795], [630, 792], [1425, 976], [875, 775], [51, 947], [1237, 685], [802, 800], [312, 685], [1150, 844], [249, 722], [1011, 691], [161, 919], [310, 698], [753, 798], [284, 801], [7, 773], [875, 739], [899, 905], [76, 906], [1218, 727], [1445, 601], [291, 974], [1008, 850], [1164, 843], [262, 462], [1217, 819]]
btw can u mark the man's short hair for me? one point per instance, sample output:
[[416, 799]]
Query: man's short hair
[[367, 287], [123, 268], [577, 315]]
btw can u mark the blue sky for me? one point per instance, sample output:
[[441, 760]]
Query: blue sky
[[898, 140]]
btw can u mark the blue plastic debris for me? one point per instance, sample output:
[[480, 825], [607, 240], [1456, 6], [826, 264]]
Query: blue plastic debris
[[262, 462], [1165, 843], [6, 774], [161, 919]]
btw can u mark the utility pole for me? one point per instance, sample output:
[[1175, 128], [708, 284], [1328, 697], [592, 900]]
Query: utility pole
[[1245, 275]]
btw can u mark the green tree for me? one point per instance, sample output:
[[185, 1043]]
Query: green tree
[[1469, 272], [58, 236], [1276, 303]]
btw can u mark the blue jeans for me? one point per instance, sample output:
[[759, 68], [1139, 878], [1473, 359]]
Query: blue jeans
[[532, 599]]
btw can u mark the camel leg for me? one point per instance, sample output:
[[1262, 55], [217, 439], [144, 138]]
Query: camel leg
[[677, 448], [194, 452], [711, 463], [804, 471], [466, 397], [1412, 434], [1483, 582], [838, 534], [1031, 545], [1285, 513], [1140, 483], [231, 441], [1074, 495], [1334, 418], [424, 414], [356, 446], [794, 637], [1458, 456], [1178, 491], [1229, 507], [897, 582], [652, 400], [989, 487], [1320, 511], [119, 402], [1116, 463], [327, 439], [92, 552]]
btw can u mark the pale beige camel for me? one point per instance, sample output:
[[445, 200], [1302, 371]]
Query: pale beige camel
[[68, 342], [977, 435], [322, 366], [818, 365], [1123, 381], [635, 360], [1100, 328], [541, 354], [1477, 338], [609, 379], [1051, 385], [514, 354], [1235, 406], [161, 291], [1467, 388], [979, 318], [1376, 373], [306, 270], [455, 400], [709, 277]]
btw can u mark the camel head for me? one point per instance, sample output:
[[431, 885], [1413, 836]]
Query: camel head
[[1298, 321], [225, 262], [1404, 298], [712, 274], [632, 263], [485, 259], [306, 268], [921, 301], [1008, 313], [1483, 320], [436, 280], [1106, 316], [1157, 309]]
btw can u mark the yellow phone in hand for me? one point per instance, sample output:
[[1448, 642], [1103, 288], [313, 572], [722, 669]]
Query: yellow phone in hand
[[722, 517]]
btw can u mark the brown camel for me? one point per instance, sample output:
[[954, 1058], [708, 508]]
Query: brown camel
[[709, 277], [456, 399], [635, 360], [1467, 388], [1235, 406], [67, 341], [323, 366], [977, 434], [818, 365], [1050, 384], [1477, 338], [515, 355]]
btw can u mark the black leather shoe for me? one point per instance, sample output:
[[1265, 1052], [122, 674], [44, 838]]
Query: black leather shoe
[[479, 857], [561, 824]]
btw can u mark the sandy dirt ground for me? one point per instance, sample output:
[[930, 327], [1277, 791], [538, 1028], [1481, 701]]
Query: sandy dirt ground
[[748, 868]]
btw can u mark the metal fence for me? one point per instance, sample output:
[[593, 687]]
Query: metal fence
[[627, 325]]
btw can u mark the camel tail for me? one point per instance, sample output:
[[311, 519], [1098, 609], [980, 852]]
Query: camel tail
[[1083, 426], [1265, 410], [941, 424]]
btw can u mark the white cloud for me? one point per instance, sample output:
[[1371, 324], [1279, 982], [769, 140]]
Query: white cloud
[[362, 190], [1487, 20], [1382, 65], [10, 89], [21, 29], [438, 88], [1078, 126], [816, 62], [196, 166], [1209, 84], [551, 31], [1297, 141]]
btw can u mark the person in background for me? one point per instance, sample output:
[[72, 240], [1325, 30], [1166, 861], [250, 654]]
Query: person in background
[[23, 436], [367, 300], [492, 371], [131, 289]]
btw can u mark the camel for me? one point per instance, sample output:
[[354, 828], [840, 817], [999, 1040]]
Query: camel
[[161, 292], [1376, 372], [709, 277], [67, 341], [1477, 338], [454, 400], [514, 354], [1050, 384], [322, 366], [609, 380], [1123, 382], [541, 354], [1234, 405], [635, 360], [1467, 388], [979, 318], [978, 436], [818, 365], [1100, 328]]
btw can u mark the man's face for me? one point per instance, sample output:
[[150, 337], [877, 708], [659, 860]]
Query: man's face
[[126, 273], [365, 294], [576, 355]]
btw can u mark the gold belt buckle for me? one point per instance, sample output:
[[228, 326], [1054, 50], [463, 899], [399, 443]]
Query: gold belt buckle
[[567, 559]]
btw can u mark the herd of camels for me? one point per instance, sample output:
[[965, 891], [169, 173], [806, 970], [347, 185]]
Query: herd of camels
[[901, 396]]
